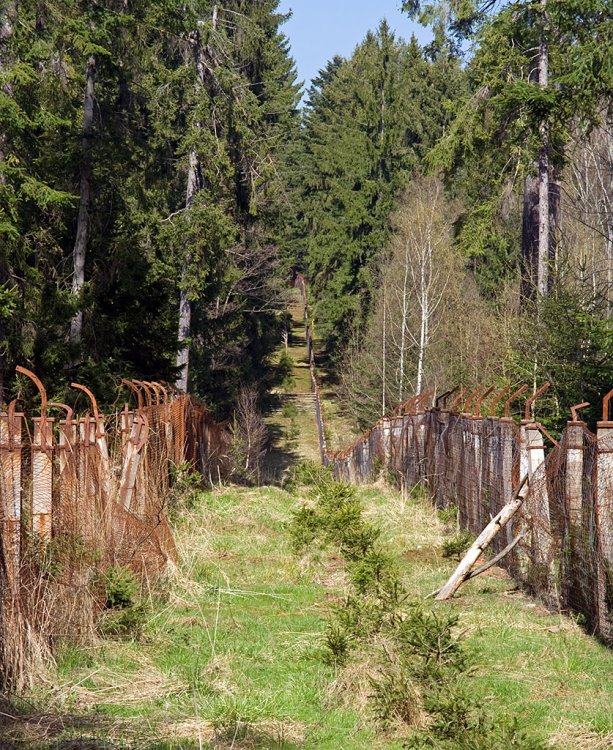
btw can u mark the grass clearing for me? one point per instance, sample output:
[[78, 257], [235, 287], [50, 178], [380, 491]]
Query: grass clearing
[[230, 655]]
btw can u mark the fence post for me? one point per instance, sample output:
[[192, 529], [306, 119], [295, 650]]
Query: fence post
[[537, 505], [440, 453], [506, 464], [386, 439], [408, 449], [464, 468], [574, 482], [604, 530], [131, 460], [10, 491], [479, 467], [67, 477], [42, 477]]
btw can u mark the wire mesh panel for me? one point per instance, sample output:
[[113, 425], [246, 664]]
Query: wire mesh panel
[[564, 553]]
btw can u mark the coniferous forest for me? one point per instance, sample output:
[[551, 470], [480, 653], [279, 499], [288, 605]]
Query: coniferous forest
[[451, 205]]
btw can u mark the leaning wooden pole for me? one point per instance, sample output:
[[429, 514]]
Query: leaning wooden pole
[[497, 523]]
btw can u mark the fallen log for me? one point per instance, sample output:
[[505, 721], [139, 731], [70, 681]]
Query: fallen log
[[500, 520], [490, 563]]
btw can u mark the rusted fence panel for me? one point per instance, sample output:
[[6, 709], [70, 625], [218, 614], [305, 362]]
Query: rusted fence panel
[[80, 494], [474, 462]]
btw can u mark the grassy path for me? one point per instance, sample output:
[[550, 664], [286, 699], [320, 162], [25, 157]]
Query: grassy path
[[292, 422], [229, 655]]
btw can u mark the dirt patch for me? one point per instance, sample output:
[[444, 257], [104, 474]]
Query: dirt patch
[[423, 554]]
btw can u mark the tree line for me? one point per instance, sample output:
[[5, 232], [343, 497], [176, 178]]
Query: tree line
[[451, 204], [142, 191], [457, 205]]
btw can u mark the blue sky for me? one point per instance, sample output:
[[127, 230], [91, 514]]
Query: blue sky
[[320, 29]]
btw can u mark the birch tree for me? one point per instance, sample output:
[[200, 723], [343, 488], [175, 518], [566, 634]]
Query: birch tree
[[417, 279]]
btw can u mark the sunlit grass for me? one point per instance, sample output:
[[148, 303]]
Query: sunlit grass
[[231, 653]]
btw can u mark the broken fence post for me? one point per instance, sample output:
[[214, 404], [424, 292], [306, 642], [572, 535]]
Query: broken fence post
[[462, 572]]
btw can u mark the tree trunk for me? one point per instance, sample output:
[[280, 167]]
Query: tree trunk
[[83, 220], [462, 572], [194, 185], [530, 236], [543, 177], [423, 331], [404, 324]]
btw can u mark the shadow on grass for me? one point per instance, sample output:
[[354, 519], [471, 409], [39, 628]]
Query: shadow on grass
[[23, 728], [278, 460]]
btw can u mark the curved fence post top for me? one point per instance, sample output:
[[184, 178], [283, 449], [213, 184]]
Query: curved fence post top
[[39, 386], [532, 399], [512, 397], [458, 398], [481, 399], [497, 400]]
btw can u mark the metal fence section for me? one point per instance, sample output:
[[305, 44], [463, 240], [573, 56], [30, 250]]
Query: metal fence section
[[82, 493], [565, 552]]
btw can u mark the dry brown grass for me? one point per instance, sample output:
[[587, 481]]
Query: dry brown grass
[[142, 684], [572, 737]]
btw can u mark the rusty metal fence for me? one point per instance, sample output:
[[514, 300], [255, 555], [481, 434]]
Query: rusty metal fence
[[80, 494], [565, 528]]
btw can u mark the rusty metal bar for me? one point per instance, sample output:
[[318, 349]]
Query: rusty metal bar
[[408, 409], [43, 402], [58, 405], [532, 399], [481, 399], [136, 390], [444, 396], [574, 409], [458, 398], [512, 397], [145, 388], [497, 400], [605, 406], [40, 387], [469, 400], [547, 435]]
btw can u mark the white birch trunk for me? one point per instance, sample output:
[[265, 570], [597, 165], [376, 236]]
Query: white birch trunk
[[404, 324], [425, 316]]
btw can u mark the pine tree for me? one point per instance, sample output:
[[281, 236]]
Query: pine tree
[[369, 122]]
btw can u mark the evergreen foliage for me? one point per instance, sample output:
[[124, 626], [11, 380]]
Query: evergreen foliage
[[149, 117], [369, 121]]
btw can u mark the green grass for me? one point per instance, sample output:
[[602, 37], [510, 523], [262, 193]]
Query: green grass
[[231, 652]]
